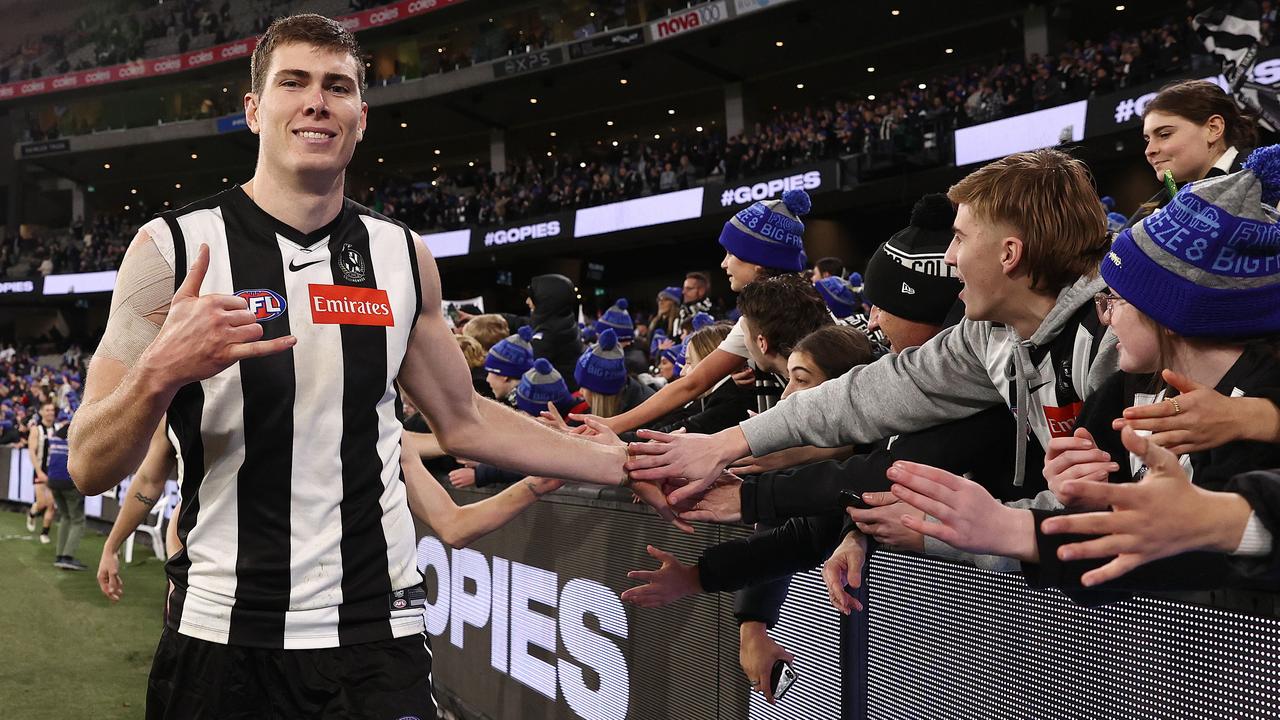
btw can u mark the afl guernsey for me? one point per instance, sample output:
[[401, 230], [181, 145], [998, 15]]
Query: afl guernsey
[[295, 527], [42, 446]]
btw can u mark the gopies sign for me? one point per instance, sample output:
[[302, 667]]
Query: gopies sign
[[507, 236], [475, 591], [814, 178], [546, 228], [1123, 110]]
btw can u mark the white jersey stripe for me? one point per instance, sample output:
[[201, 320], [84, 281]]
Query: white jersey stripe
[[388, 248], [316, 515], [206, 611]]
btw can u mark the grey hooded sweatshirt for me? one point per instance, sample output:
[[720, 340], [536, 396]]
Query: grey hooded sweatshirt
[[961, 371]]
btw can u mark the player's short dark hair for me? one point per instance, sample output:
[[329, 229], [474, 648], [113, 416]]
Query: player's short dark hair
[[784, 309], [305, 29]]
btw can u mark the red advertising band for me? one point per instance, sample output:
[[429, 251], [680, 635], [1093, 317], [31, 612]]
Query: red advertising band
[[235, 50]]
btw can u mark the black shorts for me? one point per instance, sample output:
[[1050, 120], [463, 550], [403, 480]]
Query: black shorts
[[385, 680]]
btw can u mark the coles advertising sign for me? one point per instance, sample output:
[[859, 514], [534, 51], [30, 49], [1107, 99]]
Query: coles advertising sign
[[234, 50], [131, 70], [686, 20]]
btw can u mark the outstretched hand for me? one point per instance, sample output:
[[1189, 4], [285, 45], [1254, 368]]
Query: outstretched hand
[[670, 582], [1076, 457], [722, 503], [676, 456], [551, 418], [1159, 516], [967, 517], [1201, 419], [203, 335], [883, 521]]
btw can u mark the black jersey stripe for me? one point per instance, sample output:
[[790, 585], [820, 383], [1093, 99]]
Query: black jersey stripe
[[411, 238], [179, 251], [264, 480], [365, 611], [183, 419]]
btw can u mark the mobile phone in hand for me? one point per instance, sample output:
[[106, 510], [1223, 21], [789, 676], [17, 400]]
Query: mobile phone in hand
[[849, 498], [781, 679]]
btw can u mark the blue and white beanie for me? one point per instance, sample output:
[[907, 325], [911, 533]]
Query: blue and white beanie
[[1208, 264], [617, 319], [658, 336], [769, 232], [602, 368], [676, 355], [511, 356], [840, 296], [1116, 222], [673, 293], [541, 385], [701, 320]]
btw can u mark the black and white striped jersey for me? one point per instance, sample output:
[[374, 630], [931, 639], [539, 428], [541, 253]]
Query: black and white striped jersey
[[42, 445], [294, 520]]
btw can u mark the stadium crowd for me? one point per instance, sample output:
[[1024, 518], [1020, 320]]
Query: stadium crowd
[[1011, 382], [1133, 425], [29, 380], [897, 125], [83, 247]]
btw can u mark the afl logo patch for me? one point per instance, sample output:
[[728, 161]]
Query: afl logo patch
[[264, 304], [351, 263], [400, 603]]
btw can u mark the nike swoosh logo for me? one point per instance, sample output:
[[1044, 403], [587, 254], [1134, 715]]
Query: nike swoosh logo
[[296, 268]]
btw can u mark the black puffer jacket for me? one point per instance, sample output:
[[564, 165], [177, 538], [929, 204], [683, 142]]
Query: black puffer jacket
[[555, 323]]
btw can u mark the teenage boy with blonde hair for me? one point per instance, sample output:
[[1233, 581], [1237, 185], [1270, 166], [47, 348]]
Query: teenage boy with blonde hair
[[1029, 234]]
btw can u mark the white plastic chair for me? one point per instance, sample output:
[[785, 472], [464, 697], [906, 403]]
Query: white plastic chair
[[155, 530]]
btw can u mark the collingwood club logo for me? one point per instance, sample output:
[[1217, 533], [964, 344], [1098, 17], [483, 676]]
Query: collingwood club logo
[[351, 263]]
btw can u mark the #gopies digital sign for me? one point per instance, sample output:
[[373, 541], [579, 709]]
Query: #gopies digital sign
[[530, 613], [527, 623]]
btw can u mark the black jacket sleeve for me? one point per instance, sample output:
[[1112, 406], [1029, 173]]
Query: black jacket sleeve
[[963, 446], [761, 602], [1262, 489], [718, 415], [490, 475], [798, 544], [1189, 571]]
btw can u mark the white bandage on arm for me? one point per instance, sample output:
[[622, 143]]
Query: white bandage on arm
[[144, 288]]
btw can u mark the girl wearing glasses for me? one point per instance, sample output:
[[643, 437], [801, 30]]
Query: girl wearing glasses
[[1196, 289]]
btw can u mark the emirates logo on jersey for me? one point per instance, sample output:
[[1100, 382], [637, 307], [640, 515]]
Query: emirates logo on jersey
[[343, 305], [1062, 420], [264, 304]]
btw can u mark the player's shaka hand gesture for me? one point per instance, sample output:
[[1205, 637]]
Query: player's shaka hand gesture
[[205, 334]]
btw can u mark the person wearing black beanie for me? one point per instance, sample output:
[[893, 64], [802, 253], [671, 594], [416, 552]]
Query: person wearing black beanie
[[908, 282]]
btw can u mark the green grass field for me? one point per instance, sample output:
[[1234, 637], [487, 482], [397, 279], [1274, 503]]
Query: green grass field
[[67, 651]]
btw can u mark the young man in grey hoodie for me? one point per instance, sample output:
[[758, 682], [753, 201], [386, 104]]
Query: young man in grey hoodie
[[1029, 234]]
